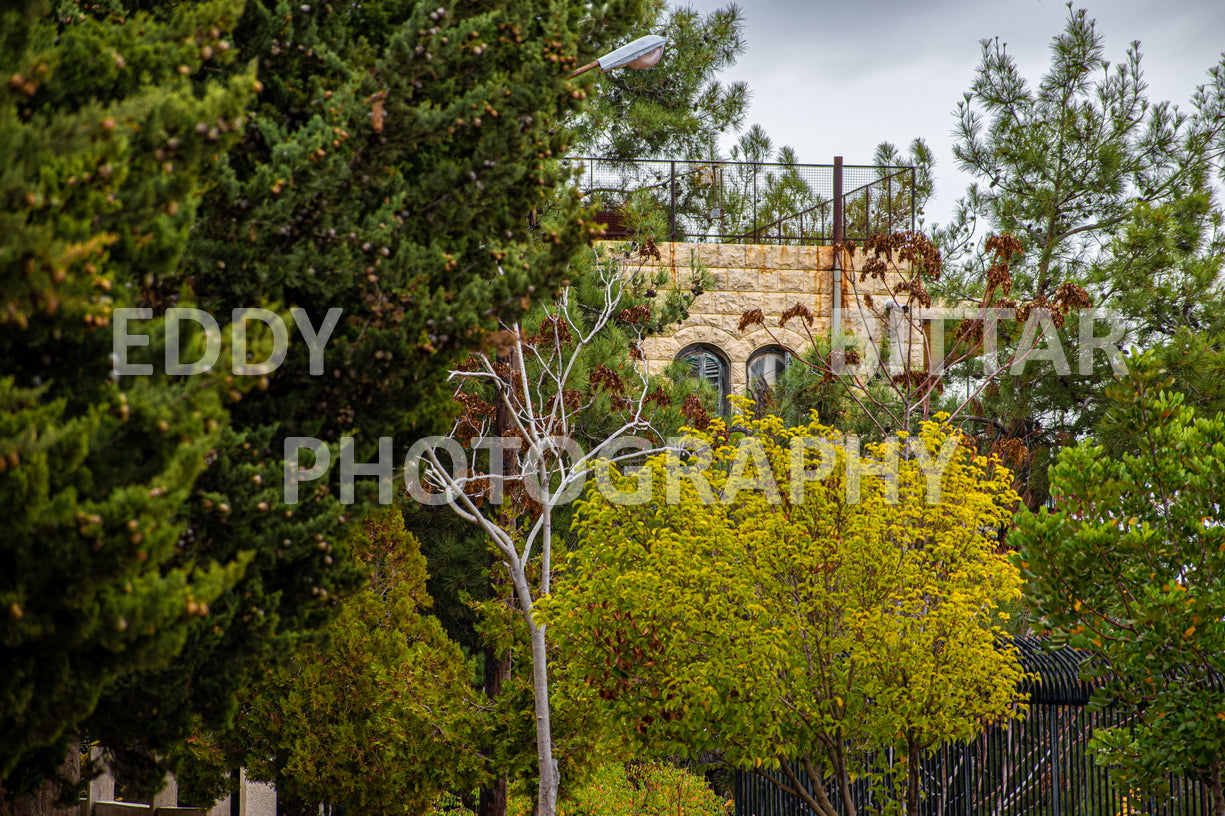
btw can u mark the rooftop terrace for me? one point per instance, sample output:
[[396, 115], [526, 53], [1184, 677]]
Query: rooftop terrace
[[749, 202]]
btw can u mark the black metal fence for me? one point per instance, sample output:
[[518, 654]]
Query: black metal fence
[[749, 202], [1037, 766]]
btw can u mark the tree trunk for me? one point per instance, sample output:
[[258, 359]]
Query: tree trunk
[[494, 797], [838, 756], [287, 804], [819, 803], [46, 801], [546, 798], [912, 777]]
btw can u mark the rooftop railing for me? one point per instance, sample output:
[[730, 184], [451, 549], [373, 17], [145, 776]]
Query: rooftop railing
[[749, 202]]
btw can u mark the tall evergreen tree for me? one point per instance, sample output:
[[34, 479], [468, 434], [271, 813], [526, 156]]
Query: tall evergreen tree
[[99, 129], [1102, 189], [388, 169], [680, 108], [1061, 165]]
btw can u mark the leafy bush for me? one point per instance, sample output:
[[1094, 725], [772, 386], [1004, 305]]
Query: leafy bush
[[636, 789], [617, 789]]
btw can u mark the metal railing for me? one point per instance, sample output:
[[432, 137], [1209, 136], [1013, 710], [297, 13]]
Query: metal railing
[[1038, 766], [748, 202]]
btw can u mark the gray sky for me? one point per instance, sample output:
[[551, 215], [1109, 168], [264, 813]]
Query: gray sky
[[836, 78]]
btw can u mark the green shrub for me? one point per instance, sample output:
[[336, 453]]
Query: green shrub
[[635, 789], [621, 789]]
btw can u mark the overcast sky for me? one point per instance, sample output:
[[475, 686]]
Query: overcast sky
[[818, 71]]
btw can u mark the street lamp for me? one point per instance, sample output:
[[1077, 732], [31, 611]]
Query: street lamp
[[643, 52]]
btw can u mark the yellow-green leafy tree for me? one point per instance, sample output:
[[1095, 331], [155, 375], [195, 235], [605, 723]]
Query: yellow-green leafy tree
[[795, 605]]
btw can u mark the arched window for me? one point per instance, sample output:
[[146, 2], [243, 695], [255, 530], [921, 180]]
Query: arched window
[[708, 363], [765, 368]]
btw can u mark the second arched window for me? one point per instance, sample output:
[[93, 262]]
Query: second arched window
[[764, 369]]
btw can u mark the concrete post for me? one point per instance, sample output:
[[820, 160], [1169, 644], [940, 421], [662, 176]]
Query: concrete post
[[256, 798]]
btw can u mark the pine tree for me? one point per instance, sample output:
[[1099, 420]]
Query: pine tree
[[1103, 189], [1061, 164], [678, 109]]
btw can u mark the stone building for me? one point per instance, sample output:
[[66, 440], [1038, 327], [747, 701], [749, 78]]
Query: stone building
[[765, 232], [772, 279]]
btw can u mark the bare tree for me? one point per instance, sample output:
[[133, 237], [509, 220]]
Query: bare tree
[[539, 401]]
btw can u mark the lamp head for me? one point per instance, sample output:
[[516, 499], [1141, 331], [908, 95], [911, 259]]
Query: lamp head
[[643, 52]]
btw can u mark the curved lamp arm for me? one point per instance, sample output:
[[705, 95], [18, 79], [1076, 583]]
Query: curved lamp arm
[[643, 52]]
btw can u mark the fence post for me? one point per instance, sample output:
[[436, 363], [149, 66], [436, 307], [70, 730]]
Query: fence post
[[914, 180], [836, 276], [755, 222], [889, 198], [967, 776], [867, 211], [1055, 782], [672, 187], [255, 798]]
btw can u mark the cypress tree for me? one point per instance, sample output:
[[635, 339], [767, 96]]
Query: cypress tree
[[387, 170], [98, 126]]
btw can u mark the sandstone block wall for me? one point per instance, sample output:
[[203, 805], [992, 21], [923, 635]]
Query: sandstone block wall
[[770, 278]]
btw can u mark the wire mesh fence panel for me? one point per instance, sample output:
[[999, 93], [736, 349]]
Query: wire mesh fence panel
[[746, 202]]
